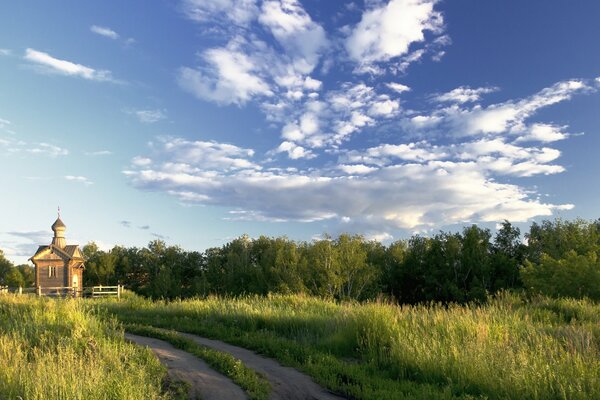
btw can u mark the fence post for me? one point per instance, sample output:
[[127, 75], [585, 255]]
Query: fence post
[[118, 292], [20, 290], [39, 290]]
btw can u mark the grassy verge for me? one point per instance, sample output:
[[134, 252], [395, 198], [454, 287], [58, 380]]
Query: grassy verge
[[510, 348], [256, 387], [57, 349]]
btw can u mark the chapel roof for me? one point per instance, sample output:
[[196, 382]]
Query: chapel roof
[[58, 224]]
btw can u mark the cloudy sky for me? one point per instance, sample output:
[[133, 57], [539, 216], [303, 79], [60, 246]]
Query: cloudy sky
[[195, 121]]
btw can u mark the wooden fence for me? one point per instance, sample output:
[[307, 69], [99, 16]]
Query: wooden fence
[[66, 291]]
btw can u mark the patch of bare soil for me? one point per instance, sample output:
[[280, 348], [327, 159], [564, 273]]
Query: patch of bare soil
[[287, 383], [206, 383]]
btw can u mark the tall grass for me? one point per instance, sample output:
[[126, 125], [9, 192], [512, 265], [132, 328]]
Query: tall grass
[[56, 349], [510, 348]]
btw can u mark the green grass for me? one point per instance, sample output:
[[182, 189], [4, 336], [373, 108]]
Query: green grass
[[511, 348], [256, 386], [57, 349]]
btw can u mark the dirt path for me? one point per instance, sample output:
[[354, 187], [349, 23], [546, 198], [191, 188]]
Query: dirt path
[[206, 383], [287, 383]]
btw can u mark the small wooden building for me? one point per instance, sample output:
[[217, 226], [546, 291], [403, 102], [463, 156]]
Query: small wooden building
[[58, 265]]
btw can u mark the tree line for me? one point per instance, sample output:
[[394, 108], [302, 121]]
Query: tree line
[[557, 258], [15, 275]]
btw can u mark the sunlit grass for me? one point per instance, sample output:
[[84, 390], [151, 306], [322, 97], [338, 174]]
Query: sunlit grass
[[509, 348], [57, 349]]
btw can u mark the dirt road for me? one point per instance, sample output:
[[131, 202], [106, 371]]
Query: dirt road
[[287, 383], [206, 383]]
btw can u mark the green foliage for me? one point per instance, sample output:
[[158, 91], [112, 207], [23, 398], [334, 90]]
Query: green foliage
[[255, 386], [563, 259], [447, 267], [14, 277], [509, 348], [57, 349], [573, 275]]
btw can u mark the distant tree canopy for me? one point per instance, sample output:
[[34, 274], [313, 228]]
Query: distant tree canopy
[[560, 258], [564, 259], [15, 276]]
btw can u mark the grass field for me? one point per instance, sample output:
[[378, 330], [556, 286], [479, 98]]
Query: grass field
[[57, 349], [509, 348]]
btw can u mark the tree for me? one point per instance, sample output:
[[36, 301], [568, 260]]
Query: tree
[[508, 253], [574, 275], [100, 265], [5, 267], [28, 274], [476, 270], [355, 273]]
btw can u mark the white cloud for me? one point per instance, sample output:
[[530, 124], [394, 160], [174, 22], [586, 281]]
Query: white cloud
[[385, 107], [464, 94], [63, 67], [543, 133], [388, 30], [103, 31], [240, 12], [46, 149], [149, 116], [408, 196], [4, 123], [80, 179], [508, 117], [296, 32], [5, 52], [490, 156], [14, 146], [98, 153], [141, 161], [379, 236], [187, 156], [294, 151], [356, 169], [312, 84], [230, 76], [398, 87]]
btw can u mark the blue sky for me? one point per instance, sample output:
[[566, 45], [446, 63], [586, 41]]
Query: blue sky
[[196, 121]]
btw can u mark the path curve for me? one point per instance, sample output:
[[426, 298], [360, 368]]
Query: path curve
[[287, 383], [206, 383]]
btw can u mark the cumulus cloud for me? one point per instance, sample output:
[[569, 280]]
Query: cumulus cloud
[[453, 161], [295, 31], [248, 67], [228, 76], [507, 117], [294, 151], [104, 31], [398, 87], [408, 195], [543, 133], [387, 31], [63, 67]]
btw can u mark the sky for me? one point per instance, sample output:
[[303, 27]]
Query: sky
[[197, 121]]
